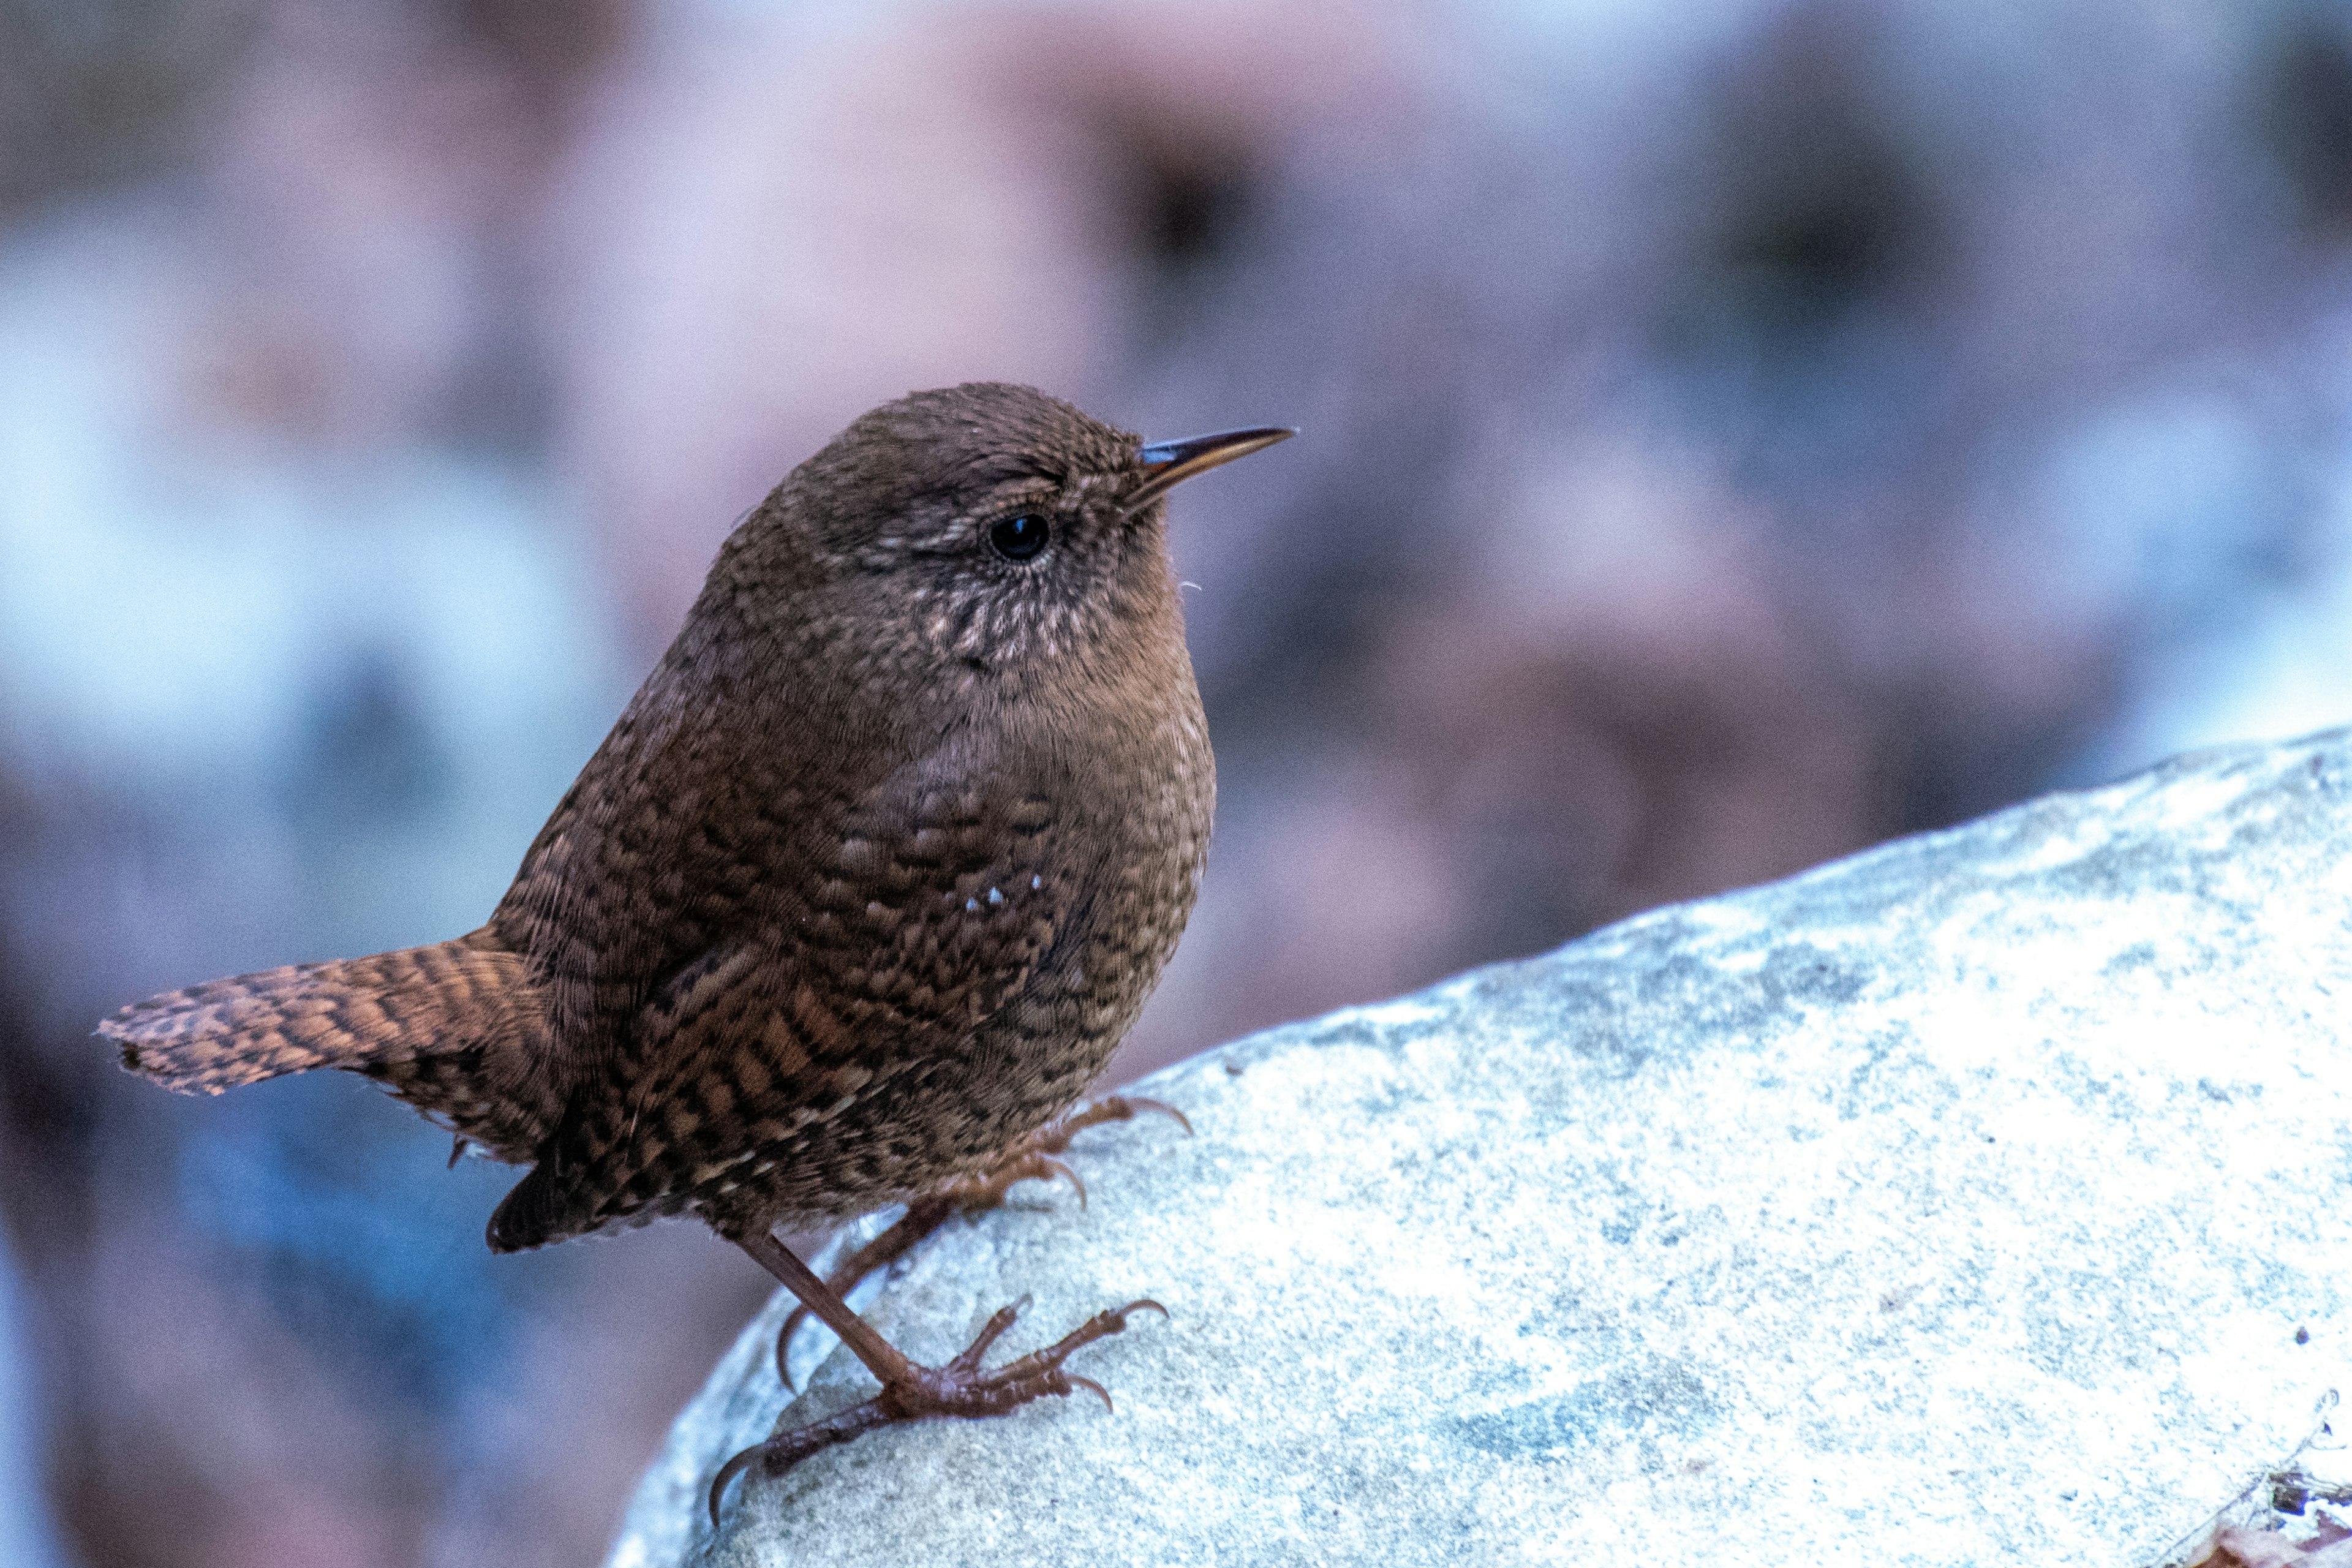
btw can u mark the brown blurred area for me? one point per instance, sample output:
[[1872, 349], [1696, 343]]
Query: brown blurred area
[[1731, 434]]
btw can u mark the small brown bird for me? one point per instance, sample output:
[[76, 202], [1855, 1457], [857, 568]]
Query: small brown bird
[[862, 889]]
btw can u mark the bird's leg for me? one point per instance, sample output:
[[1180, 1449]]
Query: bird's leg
[[1032, 1158], [911, 1393]]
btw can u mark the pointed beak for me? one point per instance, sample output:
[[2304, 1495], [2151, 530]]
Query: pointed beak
[[1170, 463]]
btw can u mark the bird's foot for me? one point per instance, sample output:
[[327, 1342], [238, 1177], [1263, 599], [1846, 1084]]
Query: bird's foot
[[962, 1388], [1033, 1158]]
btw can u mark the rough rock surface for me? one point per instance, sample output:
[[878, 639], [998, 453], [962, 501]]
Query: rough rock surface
[[1980, 1199]]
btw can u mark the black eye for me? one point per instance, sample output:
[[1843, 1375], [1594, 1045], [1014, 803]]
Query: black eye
[[1018, 537]]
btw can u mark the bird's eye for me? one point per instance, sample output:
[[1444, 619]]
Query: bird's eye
[[1018, 537]]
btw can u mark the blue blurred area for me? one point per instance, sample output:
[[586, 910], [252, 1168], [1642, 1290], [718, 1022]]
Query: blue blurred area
[[27, 1538], [338, 688], [352, 1227], [1732, 434]]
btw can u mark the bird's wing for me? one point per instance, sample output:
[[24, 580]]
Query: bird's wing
[[646, 862], [814, 955]]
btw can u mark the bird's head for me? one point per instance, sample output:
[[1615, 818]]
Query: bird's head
[[981, 531]]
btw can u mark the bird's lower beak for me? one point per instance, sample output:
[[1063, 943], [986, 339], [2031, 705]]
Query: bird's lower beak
[[1170, 463]]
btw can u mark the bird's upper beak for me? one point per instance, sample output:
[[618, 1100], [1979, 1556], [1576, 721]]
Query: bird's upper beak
[[1171, 463]]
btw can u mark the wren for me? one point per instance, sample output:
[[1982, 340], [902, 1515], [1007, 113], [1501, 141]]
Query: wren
[[861, 891]]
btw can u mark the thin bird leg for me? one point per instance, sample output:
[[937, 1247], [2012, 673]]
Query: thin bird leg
[[1030, 1159], [912, 1392], [880, 1357]]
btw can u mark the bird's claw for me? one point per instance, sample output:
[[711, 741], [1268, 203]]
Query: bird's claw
[[958, 1387], [1034, 1160]]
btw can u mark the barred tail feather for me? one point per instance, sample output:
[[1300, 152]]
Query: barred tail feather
[[455, 1028]]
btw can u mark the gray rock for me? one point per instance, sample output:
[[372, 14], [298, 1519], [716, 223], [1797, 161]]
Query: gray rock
[[1980, 1199]]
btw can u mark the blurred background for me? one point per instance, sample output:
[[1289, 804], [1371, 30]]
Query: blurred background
[[1734, 433]]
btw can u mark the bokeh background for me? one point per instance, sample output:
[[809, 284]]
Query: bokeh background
[[1734, 432]]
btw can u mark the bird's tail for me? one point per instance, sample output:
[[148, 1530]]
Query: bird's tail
[[451, 1027]]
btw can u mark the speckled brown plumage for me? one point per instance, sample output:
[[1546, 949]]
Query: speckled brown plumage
[[863, 887], [452, 1027]]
